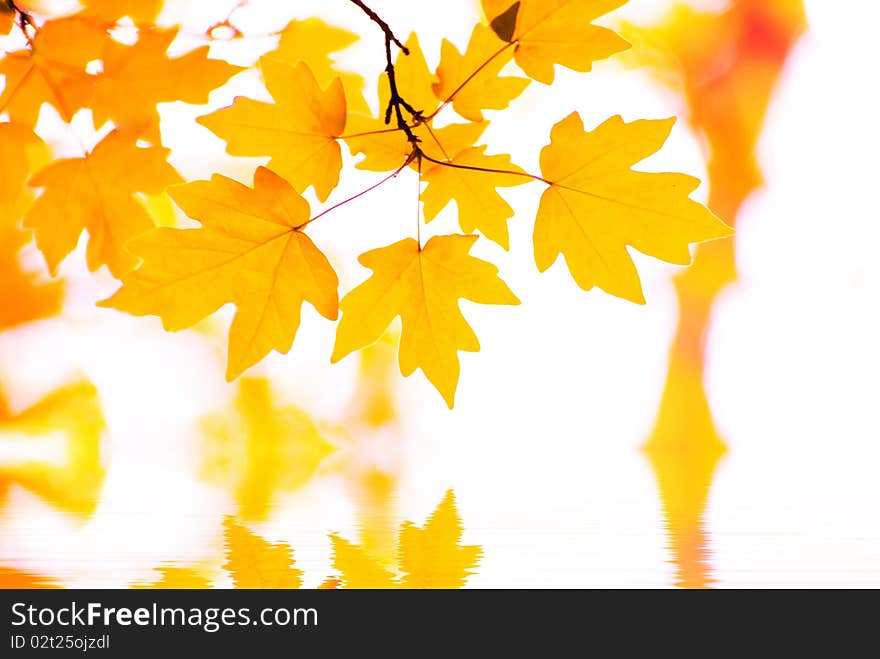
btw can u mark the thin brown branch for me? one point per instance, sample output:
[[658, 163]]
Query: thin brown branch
[[488, 170]]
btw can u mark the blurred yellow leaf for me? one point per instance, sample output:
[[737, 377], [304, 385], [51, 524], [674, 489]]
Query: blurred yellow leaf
[[256, 563], [250, 251], [12, 579], [75, 484], [472, 80], [98, 193], [358, 568], [135, 78], [312, 41], [596, 205], [259, 449], [422, 286], [298, 130], [549, 32]]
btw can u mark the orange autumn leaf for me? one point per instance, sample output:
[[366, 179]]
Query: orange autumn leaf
[[253, 562], [298, 130], [98, 193], [139, 11], [260, 449], [472, 80], [74, 484], [135, 78], [53, 71], [250, 251], [7, 18], [480, 207], [597, 205], [312, 41], [430, 556], [549, 32], [422, 286]]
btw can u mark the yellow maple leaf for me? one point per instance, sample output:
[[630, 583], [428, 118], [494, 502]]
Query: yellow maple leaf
[[135, 78], [311, 41], [298, 131], [260, 449], [422, 286], [139, 11], [480, 207], [253, 562], [472, 80], [596, 205], [548, 32], [98, 193], [52, 71], [428, 557], [75, 484], [250, 251], [176, 578]]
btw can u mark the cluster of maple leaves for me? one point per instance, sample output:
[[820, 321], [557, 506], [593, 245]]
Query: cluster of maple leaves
[[253, 250]]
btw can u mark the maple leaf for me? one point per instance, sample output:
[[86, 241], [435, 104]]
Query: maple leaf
[[256, 563], [250, 251], [312, 41], [135, 78], [75, 484], [140, 11], [472, 80], [19, 150], [548, 32], [52, 71], [260, 449], [176, 578], [428, 557], [422, 286], [298, 131], [480, 207], [98, 193], [596, 205]]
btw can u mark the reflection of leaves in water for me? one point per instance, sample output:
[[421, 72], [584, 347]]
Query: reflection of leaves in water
[[258, 449], [727, 74], [75, 485], [11, 578], [256, 563], [172, 577], [428, 556]]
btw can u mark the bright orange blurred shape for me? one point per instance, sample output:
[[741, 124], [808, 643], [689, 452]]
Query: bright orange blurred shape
[[172, 577], [75, 485], [259, 449], [257, 563], [430, 556], [23, 297], [13, 579], [726, 66]]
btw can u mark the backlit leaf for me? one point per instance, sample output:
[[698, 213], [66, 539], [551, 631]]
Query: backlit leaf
[[98, 193], [596, 205], [298, 131], [250, 252], [423, 287]]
